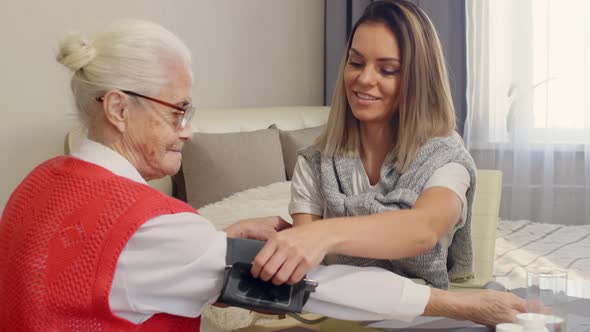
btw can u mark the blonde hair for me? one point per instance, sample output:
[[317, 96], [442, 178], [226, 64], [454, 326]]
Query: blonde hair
[[424, 107], [129, 55]]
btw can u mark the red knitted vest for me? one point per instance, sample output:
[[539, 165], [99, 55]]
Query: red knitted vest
[[61, 235]]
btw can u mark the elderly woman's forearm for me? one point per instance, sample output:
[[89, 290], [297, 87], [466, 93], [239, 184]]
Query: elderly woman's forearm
[[443, 304], [380, 295]]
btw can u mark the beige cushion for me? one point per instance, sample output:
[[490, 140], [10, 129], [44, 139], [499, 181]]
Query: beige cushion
[[295, 140], [218, 165]]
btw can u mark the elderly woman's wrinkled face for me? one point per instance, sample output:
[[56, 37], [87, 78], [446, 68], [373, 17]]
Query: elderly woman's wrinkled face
[[371, 75], [153, 133]]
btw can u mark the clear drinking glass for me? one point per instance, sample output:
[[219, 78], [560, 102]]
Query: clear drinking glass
[[546, 292]]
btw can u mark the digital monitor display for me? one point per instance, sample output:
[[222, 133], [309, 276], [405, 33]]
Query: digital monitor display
[[262, 291]]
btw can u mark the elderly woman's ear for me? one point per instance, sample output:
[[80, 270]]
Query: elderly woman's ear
[[116, 108]]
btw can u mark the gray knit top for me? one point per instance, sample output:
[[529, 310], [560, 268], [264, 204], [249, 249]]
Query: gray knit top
[[436, 267]]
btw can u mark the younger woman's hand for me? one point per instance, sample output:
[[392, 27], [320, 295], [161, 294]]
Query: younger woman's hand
[[290, 254]]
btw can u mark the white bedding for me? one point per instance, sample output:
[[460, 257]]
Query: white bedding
[[271, 200], [519, 244]]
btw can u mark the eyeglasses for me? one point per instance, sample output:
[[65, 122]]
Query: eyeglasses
[[187, 111]]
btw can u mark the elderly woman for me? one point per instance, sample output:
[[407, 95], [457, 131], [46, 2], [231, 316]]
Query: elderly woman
[[86, 245]]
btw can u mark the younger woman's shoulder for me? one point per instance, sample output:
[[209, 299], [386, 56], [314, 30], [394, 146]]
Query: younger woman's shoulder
[[454, 140], [311, 154]]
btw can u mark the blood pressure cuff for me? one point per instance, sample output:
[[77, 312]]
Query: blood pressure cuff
[[240, 289]]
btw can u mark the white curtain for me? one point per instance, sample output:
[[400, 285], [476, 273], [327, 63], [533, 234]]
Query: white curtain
[[528, 104]]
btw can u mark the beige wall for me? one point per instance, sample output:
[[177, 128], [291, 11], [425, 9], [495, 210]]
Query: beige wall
[[246, 53]]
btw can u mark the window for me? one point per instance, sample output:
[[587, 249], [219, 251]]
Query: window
[[561, 63], [537, 71]]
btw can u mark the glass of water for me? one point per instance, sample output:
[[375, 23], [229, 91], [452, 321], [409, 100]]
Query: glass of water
[[546, 293]]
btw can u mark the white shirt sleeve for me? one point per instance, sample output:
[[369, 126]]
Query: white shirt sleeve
[[305, 194], [365, 293], [455, 177], [173, 264]]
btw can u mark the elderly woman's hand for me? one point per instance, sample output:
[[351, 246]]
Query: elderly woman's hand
[[257, 228], [486, 307], [492, 307]]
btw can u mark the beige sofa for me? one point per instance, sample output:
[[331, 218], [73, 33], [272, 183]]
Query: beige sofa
[[233, 150]]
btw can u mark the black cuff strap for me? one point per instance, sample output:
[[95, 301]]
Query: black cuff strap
[[240, 289]]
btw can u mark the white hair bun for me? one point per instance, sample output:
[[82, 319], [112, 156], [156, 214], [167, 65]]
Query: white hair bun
[[75, 51]]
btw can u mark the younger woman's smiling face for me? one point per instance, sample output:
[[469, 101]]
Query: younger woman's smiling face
[[371, 75]]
